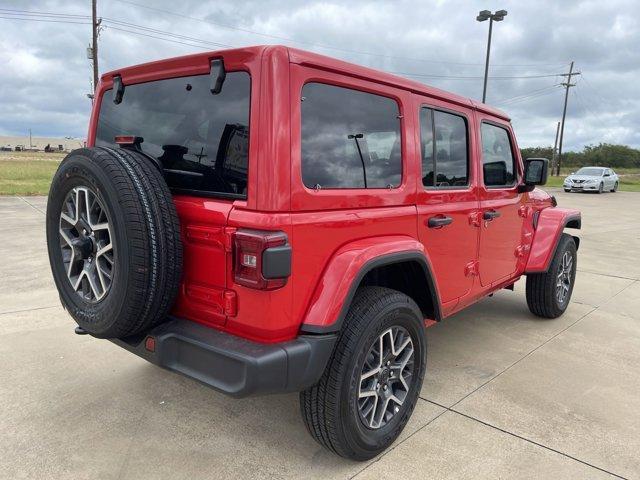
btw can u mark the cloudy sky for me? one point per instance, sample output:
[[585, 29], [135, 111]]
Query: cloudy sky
[[45, 75]]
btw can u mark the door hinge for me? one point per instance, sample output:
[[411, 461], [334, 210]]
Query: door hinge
[[471, 269], [475, 219]]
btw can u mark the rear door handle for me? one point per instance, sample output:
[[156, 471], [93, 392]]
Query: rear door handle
[[490, 215], [439, 222]]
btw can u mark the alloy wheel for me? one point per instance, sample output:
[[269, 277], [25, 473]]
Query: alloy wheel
[[386, 377], [563, 280], [86, 244]]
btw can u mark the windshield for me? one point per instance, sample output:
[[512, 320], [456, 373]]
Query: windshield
[[201, 139], [590, 171]]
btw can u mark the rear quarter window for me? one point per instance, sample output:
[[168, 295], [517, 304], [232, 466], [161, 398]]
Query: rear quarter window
[[350, 139], [201, 139]]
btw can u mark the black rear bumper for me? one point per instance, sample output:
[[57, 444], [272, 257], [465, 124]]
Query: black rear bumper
[[231, 364]]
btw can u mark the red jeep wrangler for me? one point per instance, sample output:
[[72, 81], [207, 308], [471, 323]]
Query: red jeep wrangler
[[271, 220]]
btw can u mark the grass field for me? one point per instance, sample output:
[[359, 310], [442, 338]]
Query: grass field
[[30, 173], [27, 173]]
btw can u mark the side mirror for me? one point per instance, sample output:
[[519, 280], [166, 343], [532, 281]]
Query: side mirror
[[536, 171]]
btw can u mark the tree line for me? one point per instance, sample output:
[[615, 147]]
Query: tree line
[[603, 154]]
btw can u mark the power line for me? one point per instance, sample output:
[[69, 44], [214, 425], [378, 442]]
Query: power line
[[46, 21], [528, 95], [162, 32], [111, 27], [526, 99], [12, 11], [254, 32]]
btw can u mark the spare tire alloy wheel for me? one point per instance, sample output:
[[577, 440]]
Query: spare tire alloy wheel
[[113, 238], [86, 244], [386, 377]]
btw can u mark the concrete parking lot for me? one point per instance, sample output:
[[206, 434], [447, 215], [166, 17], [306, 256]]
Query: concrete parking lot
[[507, 395]]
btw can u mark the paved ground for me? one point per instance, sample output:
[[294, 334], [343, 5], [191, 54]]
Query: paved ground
[[508, 395]]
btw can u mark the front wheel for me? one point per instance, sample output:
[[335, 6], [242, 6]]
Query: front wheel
[[548, 293], [567, 190], [372, 381], [615, 187], [601, 188]]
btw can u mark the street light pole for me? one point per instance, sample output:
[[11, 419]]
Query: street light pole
[[498, 17], [486, 65]]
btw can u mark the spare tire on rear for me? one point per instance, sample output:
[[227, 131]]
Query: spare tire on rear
[[113, 238]]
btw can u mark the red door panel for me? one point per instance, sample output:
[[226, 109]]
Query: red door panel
[[447, 195], [501, 220], [500, 236], [452, 248]]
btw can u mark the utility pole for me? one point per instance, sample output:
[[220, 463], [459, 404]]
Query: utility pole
[[554, 157], [95, 24], [567, 86]]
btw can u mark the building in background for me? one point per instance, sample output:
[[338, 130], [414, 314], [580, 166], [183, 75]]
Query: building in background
[[13, 143]]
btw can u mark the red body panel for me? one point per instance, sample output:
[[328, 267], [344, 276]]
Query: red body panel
[[551, 223], [330, 294], [334, 233]]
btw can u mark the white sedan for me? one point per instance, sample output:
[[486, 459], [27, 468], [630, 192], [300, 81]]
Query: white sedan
[[594, 179]]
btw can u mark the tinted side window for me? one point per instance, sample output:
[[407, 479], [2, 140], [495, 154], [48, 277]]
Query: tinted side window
[[202, 140], [498, 165], [449, 149], [350, 139]]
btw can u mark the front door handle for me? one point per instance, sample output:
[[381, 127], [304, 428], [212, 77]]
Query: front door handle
[[439, 222], [490, 215]]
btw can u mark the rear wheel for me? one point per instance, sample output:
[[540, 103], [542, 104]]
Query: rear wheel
[[114, 241], [372, 381], [548, 293]]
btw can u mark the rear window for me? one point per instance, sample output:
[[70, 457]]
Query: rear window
[[201, 139], [350, 139]]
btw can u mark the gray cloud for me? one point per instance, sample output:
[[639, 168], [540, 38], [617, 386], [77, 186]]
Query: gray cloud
[[44, 73]]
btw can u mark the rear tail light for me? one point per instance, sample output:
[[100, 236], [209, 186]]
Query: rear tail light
[[262, 260]]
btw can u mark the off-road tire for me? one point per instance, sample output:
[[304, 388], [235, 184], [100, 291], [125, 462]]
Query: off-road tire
[[147, 251], [329, 409], [541, 291]]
